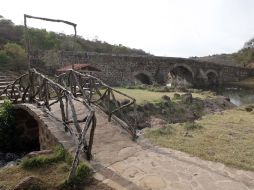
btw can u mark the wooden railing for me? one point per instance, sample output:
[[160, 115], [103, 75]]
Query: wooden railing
[[34, 87], [94, 91]]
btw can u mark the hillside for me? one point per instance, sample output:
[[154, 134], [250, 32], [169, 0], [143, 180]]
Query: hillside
[[12, 44], [244, 57], [225, 59]]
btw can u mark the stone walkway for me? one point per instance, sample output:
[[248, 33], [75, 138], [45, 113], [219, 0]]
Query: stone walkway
[[123, 164]]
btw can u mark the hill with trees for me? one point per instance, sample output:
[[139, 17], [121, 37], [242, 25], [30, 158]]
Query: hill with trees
[[244, 57], [12, 44]]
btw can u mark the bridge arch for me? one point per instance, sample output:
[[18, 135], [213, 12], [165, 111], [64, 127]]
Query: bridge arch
[[212, 77], [182, 75], [49, 130], [28, 129], [143, 78]]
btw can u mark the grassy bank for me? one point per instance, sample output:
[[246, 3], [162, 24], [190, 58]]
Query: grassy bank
[[226, 138], [51, 172], [144, 95], [246, 82]]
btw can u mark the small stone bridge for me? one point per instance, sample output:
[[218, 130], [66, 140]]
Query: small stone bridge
[[80, 112], [130, 70]]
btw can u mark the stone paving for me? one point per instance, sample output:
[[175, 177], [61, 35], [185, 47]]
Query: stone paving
[[123, 164]]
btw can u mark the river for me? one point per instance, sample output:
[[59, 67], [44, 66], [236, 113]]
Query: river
[[239, 95]]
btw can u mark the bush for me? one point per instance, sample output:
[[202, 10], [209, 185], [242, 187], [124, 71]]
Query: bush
[[83, 172], [192, 126], [10, 139]]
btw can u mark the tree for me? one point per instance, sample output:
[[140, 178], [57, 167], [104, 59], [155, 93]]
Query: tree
[[18, 56]]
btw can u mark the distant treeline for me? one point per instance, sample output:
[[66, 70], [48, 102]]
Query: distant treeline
[[12, 44], [244, 57]]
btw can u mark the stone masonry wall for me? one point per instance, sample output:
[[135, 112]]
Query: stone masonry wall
[[121, 69]]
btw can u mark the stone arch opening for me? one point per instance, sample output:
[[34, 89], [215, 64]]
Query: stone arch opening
[[212, 78], [181, 76], [28, 128], [143, 78]]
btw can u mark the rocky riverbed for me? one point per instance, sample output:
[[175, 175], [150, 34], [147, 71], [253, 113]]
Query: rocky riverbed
[[10, 159], [179, 109]]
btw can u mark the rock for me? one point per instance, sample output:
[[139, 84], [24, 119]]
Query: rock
[[158, 123], [177, 96], [140, 108], [144, 124], [124, 102], [249, 108], [166, 89], [227, 99], [28, 183], [163, 111], [10, 164], [38, 153], [187, 98], [2, 156], [166, 98], [2, 163], [148, 106], [11, 157]]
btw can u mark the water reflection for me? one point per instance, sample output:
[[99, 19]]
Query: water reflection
[[239, 95]]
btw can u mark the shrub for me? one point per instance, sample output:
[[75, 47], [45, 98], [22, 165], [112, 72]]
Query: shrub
[[9, 136], [83, 172], [192, 126]]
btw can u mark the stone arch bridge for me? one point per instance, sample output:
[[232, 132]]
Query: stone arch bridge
[[129, 70]]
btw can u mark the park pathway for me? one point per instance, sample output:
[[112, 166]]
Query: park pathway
[[124, 164]]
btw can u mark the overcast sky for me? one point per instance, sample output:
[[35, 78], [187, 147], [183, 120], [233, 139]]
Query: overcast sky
[[179, 28]]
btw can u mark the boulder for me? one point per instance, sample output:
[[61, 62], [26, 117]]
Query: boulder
[[124, 102], [166, 98], [38, 153], [2, 163], [2, 156], [177, 96], [148, 106], [249, 108], [187, 98], [28, 183], [11, 156], [140, 108], [143, 124], [11, 164]]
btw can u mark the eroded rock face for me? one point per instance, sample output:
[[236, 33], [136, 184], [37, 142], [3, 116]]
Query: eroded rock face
[[28, 183]]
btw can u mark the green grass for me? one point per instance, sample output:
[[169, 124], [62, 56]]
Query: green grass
[[143, 96], [59, 154], [226, 138], [52, 169]]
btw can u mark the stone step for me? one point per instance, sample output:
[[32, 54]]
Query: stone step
[[2, 87], [5, 82]]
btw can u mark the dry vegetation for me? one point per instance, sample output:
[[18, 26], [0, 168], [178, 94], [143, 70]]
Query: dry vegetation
[[52, 171], [223, 137], [246, 82]]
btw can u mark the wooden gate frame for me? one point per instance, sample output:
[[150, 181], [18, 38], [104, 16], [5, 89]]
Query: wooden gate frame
[[27, 40]]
